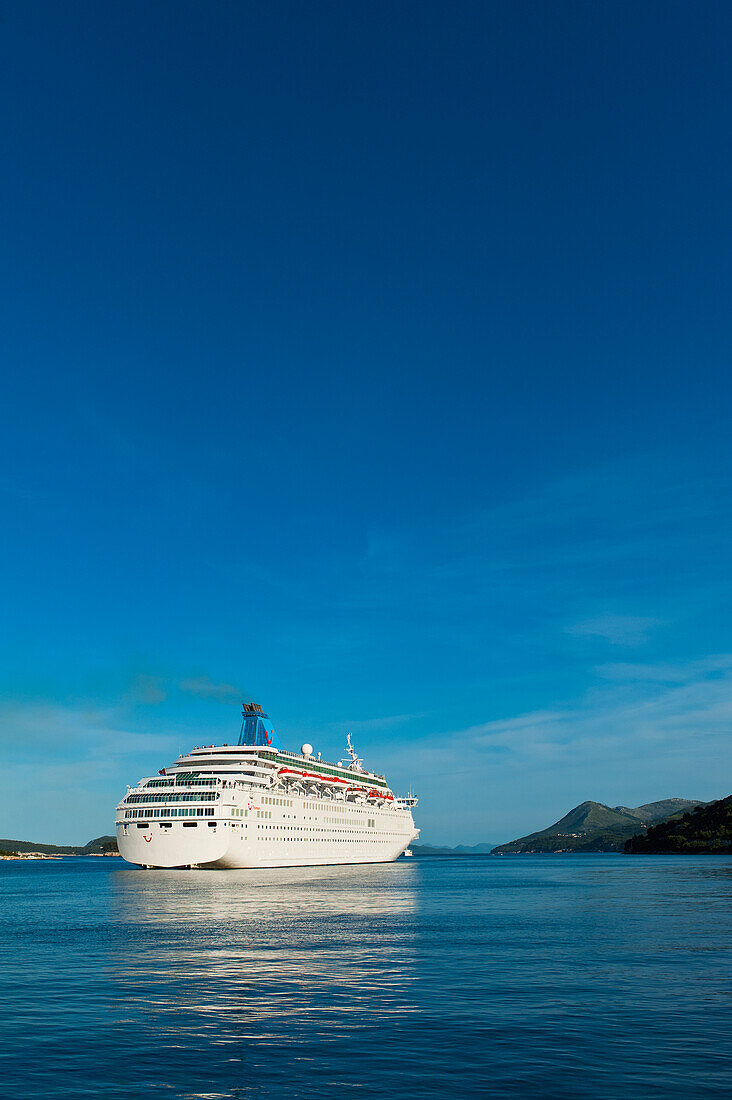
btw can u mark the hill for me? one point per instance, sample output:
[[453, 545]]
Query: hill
[[99, 846], [658, 811], [706, 829], [595, 827]]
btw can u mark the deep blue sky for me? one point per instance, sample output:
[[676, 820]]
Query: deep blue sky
[[371, 360]]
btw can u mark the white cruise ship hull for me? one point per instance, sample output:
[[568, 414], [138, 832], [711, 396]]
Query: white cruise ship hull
[[224, 847], [235, 825]]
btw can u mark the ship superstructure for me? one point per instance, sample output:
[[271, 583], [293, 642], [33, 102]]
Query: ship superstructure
[[254, 804]]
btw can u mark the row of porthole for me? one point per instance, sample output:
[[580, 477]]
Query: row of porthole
[[180, 811], [297, 828], [364, 840], [169, 796]]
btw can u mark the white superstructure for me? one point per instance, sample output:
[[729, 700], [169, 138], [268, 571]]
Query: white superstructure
[[254, 804]]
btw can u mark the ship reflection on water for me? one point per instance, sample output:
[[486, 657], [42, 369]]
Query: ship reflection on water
[[262, 968]]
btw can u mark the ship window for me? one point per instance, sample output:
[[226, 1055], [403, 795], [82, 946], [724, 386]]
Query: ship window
[[142, 825], [190, 824]]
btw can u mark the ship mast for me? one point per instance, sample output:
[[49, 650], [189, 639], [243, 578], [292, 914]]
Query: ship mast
[[356, 761]]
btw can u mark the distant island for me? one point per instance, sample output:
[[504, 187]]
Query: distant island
[[674, 825], [100, 846], [595, 827], [442, 850], [705, 830]]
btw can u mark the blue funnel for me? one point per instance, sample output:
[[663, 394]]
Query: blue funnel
[[257, 729]]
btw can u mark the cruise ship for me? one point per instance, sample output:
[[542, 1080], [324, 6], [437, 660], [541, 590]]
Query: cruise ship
[[253, 804]]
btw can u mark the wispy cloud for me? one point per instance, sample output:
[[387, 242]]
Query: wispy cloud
[[45, 732], [623, 630], [712, 667], [390, 721], [686, 710], [655, 718], [65, 768]]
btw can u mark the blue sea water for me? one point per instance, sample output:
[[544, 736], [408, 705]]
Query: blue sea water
[[550, 977]]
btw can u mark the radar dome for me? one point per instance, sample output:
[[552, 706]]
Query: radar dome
[[307, 750]]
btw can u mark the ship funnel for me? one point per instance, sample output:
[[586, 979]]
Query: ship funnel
[[257, 728]]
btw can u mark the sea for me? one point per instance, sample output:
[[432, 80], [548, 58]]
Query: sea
[[529, 976]]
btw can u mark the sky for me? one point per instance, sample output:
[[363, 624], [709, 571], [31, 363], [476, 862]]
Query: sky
[[370, 361]]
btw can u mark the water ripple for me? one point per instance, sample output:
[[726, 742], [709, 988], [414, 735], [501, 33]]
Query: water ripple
[[586, 977]]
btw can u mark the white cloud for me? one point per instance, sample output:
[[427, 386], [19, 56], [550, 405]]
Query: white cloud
[[47, 732], [680, 673], [66, 766], [367, 724], [628, 740], [674, 709], [679, 723], [624, 630]]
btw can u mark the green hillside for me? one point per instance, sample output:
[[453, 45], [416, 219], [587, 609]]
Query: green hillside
[[97, 846], [659, 811], [705, 829], [595, 827]]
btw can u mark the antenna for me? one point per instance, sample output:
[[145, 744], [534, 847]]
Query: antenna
[[356, 761]]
